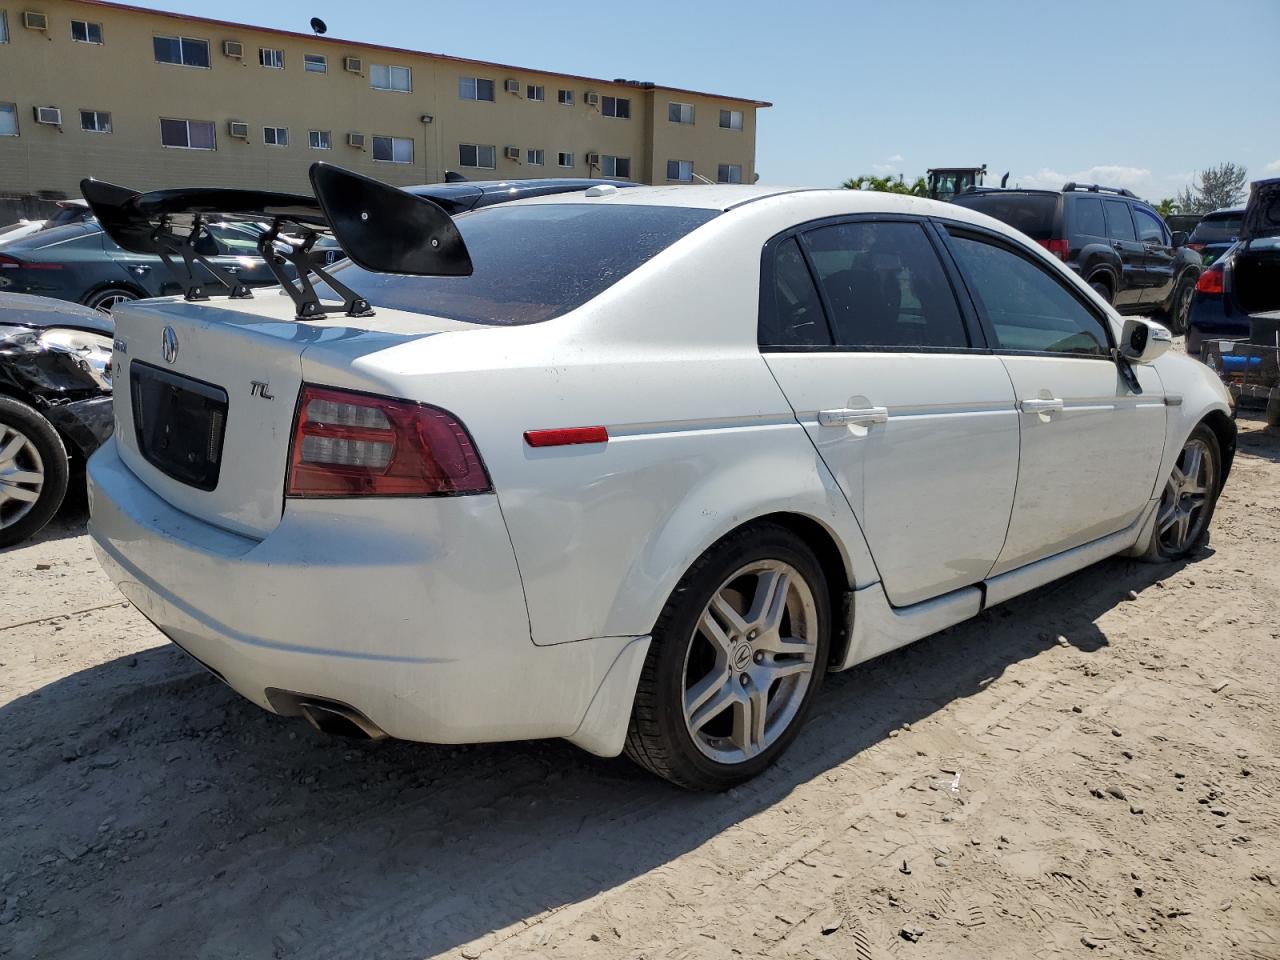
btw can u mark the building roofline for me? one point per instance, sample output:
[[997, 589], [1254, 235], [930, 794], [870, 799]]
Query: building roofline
[[315, 38]]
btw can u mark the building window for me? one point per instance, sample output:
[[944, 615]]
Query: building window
[[619, 167], [729, 173], [315, 63], [319, 140], [187, 134], [619, 107], [393, 149], [8, 119], [271, 58], [475, 155], [475, 88], [276, 136], [565, 160], [565, 97], [535, 91], [680, 112], [731, 119], [82, 31], [537, 157], [681, 170], [181, 50], [4, 27], [95, 121], [382, 77]]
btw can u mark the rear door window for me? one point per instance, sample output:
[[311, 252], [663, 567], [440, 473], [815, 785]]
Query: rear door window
[[532, 262], [1086, 215], [885, 286], [1119, 222], [791, 310], [1027, 307]]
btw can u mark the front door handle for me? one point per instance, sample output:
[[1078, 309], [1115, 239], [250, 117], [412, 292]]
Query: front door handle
[[846, 416], [1040, 405]]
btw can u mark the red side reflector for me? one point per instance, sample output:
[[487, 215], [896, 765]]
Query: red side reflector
[[566, 436]]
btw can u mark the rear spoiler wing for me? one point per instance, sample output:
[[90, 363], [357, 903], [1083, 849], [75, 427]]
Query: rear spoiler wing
[[380, 227]]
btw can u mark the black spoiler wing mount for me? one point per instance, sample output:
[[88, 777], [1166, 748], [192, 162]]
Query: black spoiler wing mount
[[380, 227]]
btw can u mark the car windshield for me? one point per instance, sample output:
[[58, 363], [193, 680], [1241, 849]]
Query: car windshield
[[1032, 213], [1222, 228], [532, 263]]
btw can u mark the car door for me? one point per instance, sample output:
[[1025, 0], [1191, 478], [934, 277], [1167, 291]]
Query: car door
[[861, 327], [1160, 258], [1133, 257], [1090, 443]]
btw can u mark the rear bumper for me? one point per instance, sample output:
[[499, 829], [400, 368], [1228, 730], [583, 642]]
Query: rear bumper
[[409, 610]]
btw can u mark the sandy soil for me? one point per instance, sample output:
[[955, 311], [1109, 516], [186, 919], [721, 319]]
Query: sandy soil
[[1090, 769]]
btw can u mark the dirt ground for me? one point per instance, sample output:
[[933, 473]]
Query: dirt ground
[[1091, 769]]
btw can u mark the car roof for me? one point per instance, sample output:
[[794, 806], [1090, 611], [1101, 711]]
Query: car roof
[[1225, 212], [718, 196]]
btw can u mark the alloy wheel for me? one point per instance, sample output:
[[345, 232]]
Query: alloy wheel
[[1187, 495], [1182, 309], [21, 475], [110, 301], [750, 660]]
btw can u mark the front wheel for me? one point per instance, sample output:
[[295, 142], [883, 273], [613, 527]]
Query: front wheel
[[33, 471], [737, 656], [1188, 500]]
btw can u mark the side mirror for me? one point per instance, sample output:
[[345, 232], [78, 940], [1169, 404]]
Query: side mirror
[[1142, 340], [1179, 238]]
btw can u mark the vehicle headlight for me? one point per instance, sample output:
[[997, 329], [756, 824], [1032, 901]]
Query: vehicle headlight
[[93, 349]]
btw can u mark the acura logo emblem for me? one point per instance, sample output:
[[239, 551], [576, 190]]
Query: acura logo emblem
[[169, 344]]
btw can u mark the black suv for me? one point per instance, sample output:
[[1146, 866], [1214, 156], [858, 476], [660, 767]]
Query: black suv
[[1119, 244]]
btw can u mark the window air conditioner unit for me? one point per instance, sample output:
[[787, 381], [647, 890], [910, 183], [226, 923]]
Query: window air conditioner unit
[[238, 129], [233, 49], [35, 21], [511, 153], [593, 99], [593, 159], [512, 86], [352, 64], [355, 140], [50, 116]]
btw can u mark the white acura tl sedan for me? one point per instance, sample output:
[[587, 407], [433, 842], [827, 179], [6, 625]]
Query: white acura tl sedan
[[638, 479]]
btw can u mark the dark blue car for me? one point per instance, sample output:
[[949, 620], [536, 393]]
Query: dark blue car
[[1216, 232], [1245, 280]]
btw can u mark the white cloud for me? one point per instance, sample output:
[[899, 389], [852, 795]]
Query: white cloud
[[896, 158], [891, 165], [1137, 179], [1272, 167]]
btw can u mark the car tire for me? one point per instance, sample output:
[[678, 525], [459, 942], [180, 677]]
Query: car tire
[[725, 688], [1192, 497], [108, 297], [1272, 412], [33, 471], [1101, 289], [1180, 307]]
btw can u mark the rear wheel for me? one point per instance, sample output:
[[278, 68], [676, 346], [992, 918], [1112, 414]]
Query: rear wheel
[[736, 659], [108, 298], [33, 471], [1180, 307], [1188, 500]]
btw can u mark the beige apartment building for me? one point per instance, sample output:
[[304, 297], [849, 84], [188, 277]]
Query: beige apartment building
[[150, 100]]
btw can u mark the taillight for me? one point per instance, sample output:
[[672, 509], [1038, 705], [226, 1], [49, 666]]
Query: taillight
[[1197, 247], [1058, 246], [348, 444], [1210, 281], [13, 263]]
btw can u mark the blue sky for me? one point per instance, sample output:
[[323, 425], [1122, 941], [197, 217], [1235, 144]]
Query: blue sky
[[1120, 92]]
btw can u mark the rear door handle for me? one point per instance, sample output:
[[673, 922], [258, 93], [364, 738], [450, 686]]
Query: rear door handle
[[846, 416], [1039, 405]]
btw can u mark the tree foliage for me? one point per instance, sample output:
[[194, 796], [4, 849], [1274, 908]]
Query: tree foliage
[[889, 184], [1220, 186], [1167, 207]]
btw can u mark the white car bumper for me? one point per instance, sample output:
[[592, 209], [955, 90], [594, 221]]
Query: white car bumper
[[409, 611]]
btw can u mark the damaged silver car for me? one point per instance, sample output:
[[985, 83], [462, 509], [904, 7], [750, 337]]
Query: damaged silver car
[[55, 405]]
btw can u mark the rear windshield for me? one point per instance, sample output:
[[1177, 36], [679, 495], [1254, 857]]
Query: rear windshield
[[1032, 213], [532, 263], [1217, 229]]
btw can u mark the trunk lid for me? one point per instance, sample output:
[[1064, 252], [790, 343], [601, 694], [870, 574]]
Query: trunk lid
[[1262, 212], [206, 391]]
